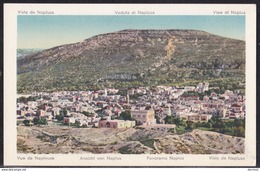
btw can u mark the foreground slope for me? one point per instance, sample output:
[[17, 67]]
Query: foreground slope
[[50, 139]]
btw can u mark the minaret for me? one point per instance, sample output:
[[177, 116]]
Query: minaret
[[169, 111], [105, 92], [127, 97]]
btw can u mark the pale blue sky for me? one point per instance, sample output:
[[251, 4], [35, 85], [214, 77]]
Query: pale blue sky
[[49, 31]]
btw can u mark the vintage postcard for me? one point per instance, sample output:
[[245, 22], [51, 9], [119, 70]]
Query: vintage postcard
[[129, 85]]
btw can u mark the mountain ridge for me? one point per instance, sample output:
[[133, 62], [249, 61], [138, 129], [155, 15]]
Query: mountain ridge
[[142, 56]]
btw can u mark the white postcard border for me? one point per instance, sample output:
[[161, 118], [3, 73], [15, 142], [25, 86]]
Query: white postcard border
[[10, 39]]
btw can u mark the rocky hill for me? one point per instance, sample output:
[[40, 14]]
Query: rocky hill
[[62, 140], [133, 58]]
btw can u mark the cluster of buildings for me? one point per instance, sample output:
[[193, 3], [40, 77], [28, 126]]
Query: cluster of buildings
[[103, 108]]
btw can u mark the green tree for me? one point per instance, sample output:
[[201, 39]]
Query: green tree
[[88, 114], [135, 96], [26, 122], [208, 125], [35, 121], [59, 117], [63, 112], [169, 119], [39, 121], [85, 113], [118, 117], [157, 119], [198, 124], [126, 115], [214, 120], [122, 92], [239, 131], [177, 121], [219, 125], [228, 130], [183, 123], [22, 99], [190, 125], [31, 98], [43, 121], [239, 122]]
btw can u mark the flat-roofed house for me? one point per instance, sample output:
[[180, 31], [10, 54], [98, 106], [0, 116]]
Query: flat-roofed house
[[116, 124], [146, 117], [196, 117], [69, 120], [237, 108]]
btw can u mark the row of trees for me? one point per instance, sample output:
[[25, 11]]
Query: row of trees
[[234, 127], [36, 121], [202, 94], [126, 115], [63, 113], [23, 99]]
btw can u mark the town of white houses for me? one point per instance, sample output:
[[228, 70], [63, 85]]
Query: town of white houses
[[158, 112]]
